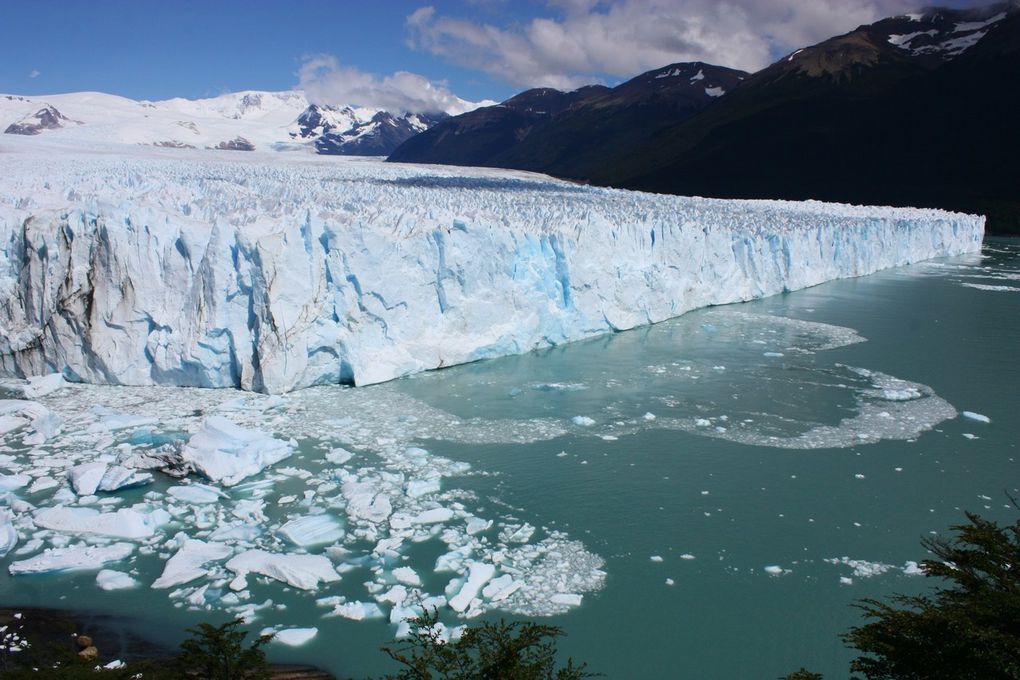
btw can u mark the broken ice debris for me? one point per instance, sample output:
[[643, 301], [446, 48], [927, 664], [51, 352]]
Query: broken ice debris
[[311, 530], [8, 534], [34, 387], [227, 453], [108, 579], [124, 523], [74, 558], [301, 571], [189, 561], [295, 637], [479, 574]]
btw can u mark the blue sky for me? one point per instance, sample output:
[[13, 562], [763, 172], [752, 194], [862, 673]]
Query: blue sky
[[477, 49]]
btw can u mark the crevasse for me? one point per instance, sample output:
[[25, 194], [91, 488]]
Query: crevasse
[[173, 268]]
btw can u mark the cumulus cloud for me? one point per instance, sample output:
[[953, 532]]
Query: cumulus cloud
[[34, 73], [583, 40], [326, 81]]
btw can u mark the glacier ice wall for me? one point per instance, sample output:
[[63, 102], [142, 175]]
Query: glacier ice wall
[[269, 275]]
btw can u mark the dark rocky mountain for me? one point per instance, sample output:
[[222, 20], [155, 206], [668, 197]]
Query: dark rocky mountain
[[553, 131], [484, 136], [46, 118], [236, 144], [338, 131], [917, 109], [378, 137]]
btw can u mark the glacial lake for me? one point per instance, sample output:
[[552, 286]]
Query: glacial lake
[[703, 498]]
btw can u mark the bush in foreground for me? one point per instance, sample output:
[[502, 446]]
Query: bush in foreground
[[493, 651], [968, 629]]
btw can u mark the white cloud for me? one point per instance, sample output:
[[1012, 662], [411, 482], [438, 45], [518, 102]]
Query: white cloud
[[584, 40], [34, 73], [326, 81]]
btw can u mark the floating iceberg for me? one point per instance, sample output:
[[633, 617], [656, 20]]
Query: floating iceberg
[[124, 523], [188, 563], [295, 637], [106, 259], [74, 558], [311, 530], [227, 453], [301, 571], [8, 534], [108, 579]]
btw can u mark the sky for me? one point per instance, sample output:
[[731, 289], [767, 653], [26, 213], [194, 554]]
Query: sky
[[397, 53]]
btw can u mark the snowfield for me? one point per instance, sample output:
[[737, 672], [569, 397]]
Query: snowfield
[[271, 273]]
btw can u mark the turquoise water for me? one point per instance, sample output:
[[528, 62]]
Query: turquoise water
[[723, 442]]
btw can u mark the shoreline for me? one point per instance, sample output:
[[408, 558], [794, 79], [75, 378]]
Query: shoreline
[[108, 632]]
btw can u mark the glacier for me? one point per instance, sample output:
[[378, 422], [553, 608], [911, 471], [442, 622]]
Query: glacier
[[269, 274]]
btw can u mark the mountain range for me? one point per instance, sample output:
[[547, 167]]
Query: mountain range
[[239, 121], [918, 109]]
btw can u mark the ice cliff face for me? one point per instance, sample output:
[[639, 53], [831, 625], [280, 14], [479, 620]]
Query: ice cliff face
[[158, 268]]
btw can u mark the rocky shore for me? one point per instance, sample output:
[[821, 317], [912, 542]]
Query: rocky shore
[[107, 640]]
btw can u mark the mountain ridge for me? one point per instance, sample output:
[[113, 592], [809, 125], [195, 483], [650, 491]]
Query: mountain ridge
[[831, 121], [245, 120]]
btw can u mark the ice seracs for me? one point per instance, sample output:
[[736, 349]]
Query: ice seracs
[[407, 269]]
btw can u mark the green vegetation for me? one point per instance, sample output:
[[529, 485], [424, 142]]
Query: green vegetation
[[968, 629], [219, 653], [493, 651], [211, 653]]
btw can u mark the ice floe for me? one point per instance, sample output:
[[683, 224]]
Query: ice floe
[[72, 558], [227, 453]]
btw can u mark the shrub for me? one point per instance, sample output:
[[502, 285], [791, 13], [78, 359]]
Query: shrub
[[968, 630], [493, 651]]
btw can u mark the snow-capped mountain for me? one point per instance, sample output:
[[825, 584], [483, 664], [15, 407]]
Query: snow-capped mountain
[[915, 109], [345, 131], [239, 121], [552, 130]]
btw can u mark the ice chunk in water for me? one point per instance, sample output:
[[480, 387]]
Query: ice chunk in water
[[295, 637], [568, 599], [189, 561], [108, 579], [357, 611], [365, 502], [970, 415], [479, 574], [433, 516], [124, 523], [8, 534], [407, 576], [74, 558], [311, 530], [416, 488], [118, 477], [13, 482], [197, 494], [44, 423], [85, 478], [227, 453], [301, 571], [36, 386]]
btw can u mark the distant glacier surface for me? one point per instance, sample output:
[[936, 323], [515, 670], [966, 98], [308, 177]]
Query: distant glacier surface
[[270, 273]]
